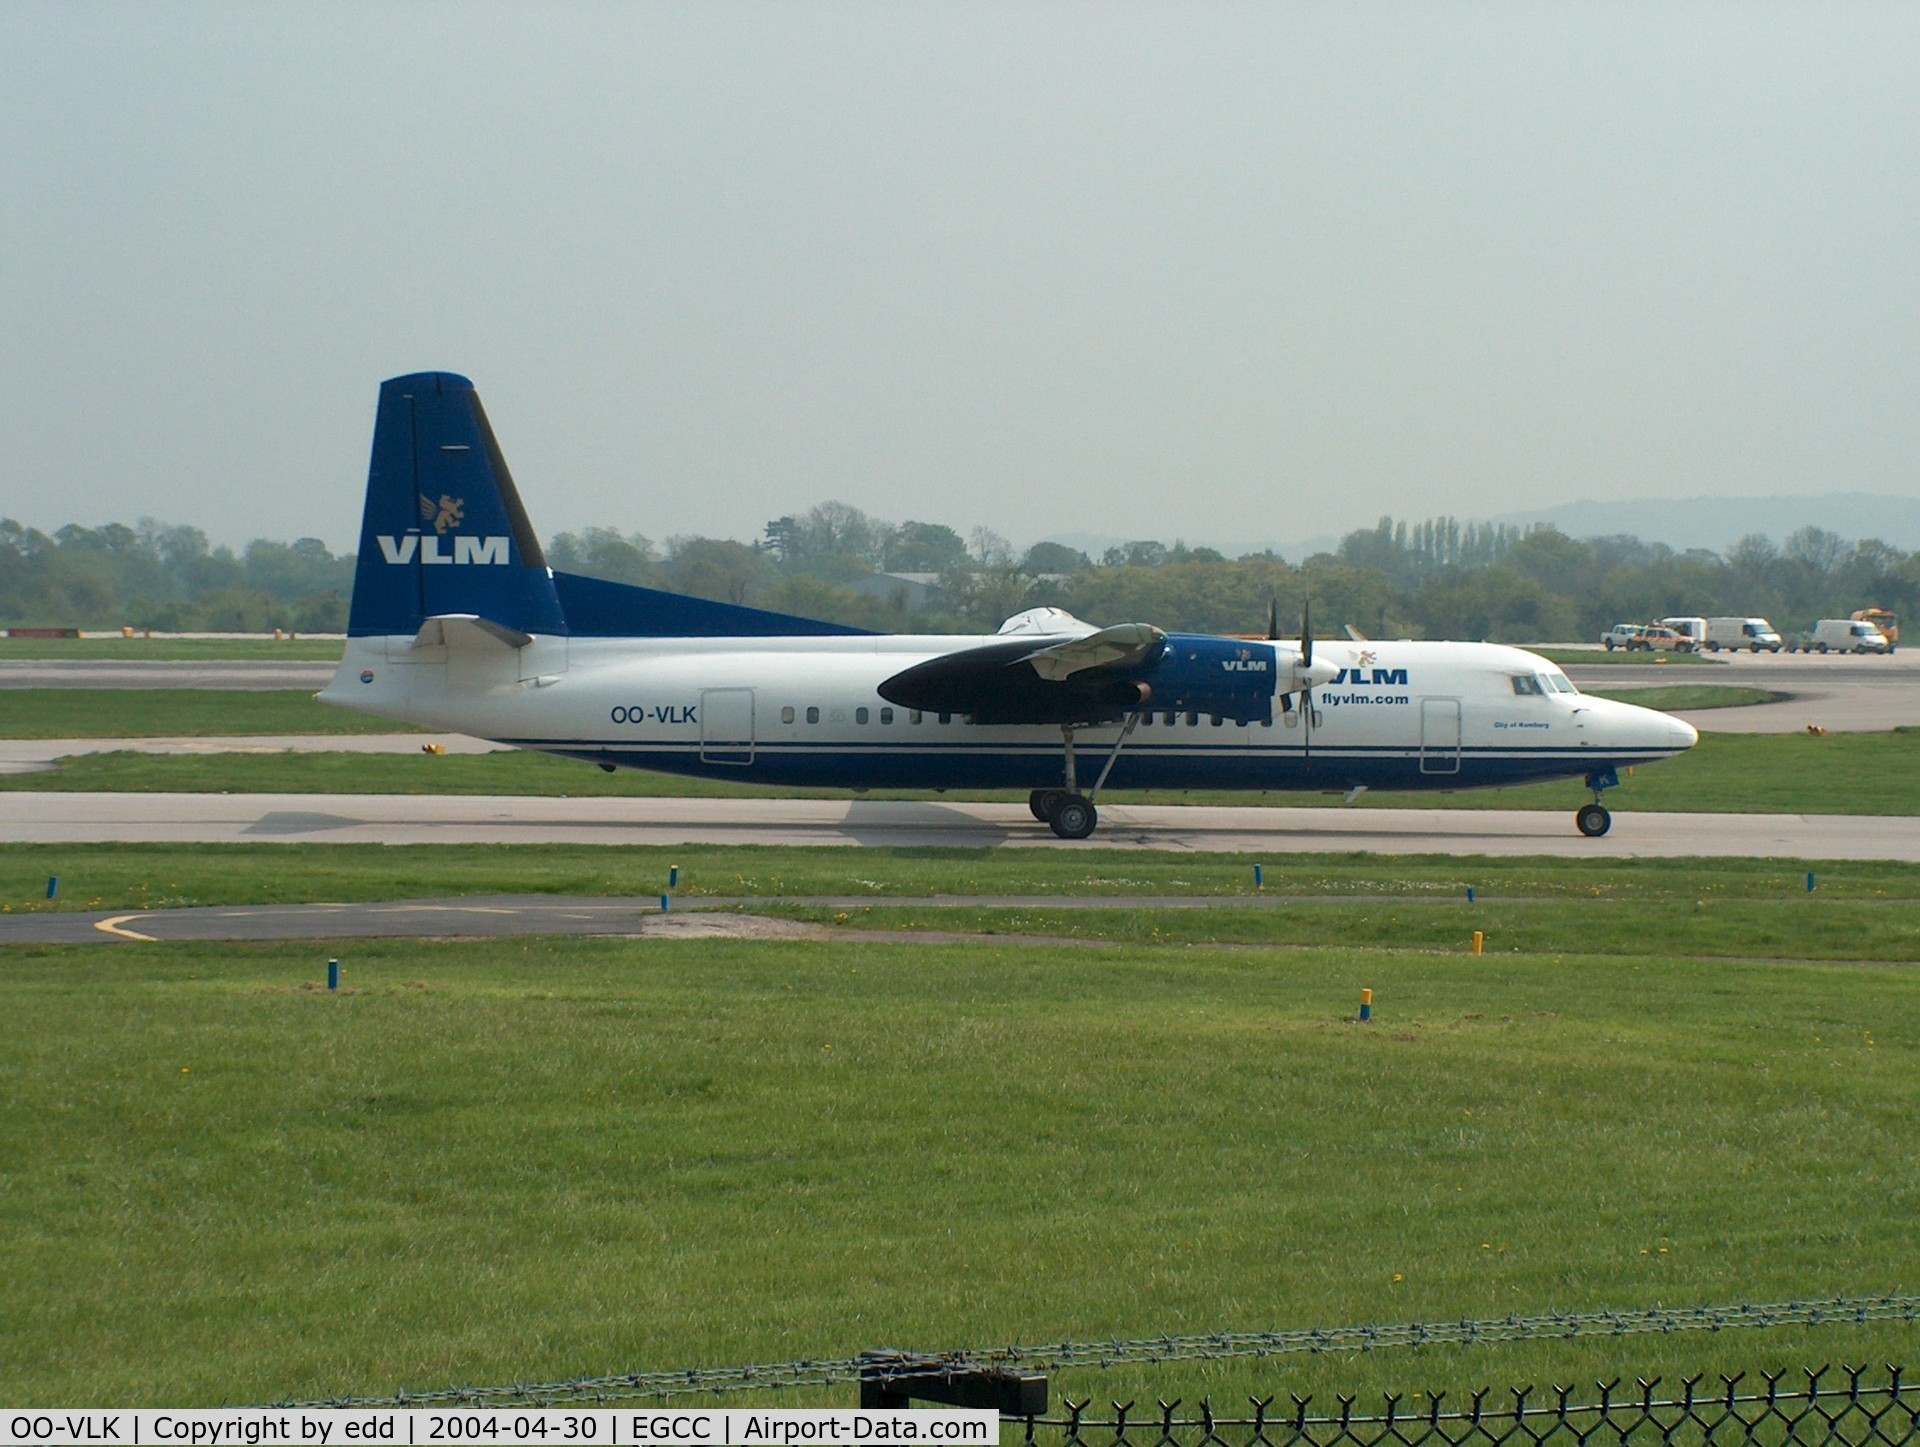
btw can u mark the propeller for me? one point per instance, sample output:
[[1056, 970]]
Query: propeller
[[1306, 672]]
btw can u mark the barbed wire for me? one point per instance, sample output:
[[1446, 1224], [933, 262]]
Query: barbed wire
[[1217, 1346]]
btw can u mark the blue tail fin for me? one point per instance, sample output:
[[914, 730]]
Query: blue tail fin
[[444, 531]]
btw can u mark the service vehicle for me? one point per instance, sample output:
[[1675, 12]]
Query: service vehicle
[[1887, 621], [1665, 638], [1694, 630], [1752, 634], [1622, 635], [1845, 635]]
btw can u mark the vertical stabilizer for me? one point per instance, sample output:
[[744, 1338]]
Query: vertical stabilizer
[[444, 531]]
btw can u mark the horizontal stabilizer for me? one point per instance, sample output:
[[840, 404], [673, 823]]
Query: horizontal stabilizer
[[468, 630]]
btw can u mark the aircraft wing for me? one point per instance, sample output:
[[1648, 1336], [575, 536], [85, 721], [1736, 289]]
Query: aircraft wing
[[1092, 678]]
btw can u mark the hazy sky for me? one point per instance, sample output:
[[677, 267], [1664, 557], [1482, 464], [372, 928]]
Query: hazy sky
[[1223, 272]]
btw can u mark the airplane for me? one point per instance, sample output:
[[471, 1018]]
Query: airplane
[[457, 622]]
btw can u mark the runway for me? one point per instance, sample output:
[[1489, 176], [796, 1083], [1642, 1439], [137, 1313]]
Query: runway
[[74, 818]]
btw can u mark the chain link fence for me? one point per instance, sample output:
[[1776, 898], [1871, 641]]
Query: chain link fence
[[1821, 1407]]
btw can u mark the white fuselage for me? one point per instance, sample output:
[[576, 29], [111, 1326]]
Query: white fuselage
[[806, 711]]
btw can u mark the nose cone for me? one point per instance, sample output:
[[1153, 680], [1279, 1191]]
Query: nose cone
[[1681, 734]]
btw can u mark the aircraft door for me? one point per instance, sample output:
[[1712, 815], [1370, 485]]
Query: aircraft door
[[726, 725], [1439, 735]]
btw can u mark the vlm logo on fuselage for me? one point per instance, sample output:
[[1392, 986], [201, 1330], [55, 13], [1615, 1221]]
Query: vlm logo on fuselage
[[1386, 676], [427, 546]]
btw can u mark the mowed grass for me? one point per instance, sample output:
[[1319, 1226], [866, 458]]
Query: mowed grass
[[173, 650], [1724, 773], [531, 1160], [1619, 657], [160, 876], [1691, 697], [148, 713]]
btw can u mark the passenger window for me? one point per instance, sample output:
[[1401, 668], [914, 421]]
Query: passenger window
[[813, 715], [886, 715], [1214, 719], [913, 715], [786, 714], [860, 715], [946, 718], [1193, 720], [1170, 718]]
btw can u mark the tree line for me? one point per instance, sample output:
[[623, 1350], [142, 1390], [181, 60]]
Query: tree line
[[1437, 578]]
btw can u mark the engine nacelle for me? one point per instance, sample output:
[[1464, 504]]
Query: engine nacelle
[[1199, 673]]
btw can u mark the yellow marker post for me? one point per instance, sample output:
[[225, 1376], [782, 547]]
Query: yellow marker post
[[1479, 941], [1366, 1006]]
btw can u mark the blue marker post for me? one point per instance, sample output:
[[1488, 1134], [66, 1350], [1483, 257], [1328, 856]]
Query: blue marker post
[[333, 974], [666, 903], [1366, 1006], [1259, 876], [673, 876], [1469, 894], [53, 885], [1809, 885]]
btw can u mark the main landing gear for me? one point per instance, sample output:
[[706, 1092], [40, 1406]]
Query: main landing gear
[[1068, 812], [1593, 820]]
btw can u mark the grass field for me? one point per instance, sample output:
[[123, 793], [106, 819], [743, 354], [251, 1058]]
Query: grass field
[[158, 876], [149, 713], [1618, 658], [173, 650], [532, 1160], [1724, 773], [1691, 697]]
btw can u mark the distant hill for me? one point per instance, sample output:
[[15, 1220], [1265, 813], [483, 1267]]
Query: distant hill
[[1719, 522]]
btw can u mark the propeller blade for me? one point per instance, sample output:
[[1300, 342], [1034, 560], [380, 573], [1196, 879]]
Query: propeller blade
[[1273, 617], [1306, 694]]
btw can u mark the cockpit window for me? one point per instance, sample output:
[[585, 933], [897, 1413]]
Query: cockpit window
[[1526, 685], [1558, 683]]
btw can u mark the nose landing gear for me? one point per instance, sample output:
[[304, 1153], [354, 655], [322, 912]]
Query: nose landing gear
[[1593, 820]]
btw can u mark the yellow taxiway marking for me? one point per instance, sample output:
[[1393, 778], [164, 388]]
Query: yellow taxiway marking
[[112, 927]]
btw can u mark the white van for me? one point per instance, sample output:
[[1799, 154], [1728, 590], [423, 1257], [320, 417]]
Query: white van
[[1752, 634], [1844, 635], [1694, 630]]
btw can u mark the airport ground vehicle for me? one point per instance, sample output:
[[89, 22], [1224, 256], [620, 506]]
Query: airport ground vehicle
[[1694, 630], [1622, 635], [1663, 638], [1887, 621], [1841, 635], [1752, 634]]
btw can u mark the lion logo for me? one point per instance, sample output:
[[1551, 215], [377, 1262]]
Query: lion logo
[[447, 513]]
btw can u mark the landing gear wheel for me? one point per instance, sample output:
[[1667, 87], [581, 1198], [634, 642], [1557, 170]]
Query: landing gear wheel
[[1593, 821], [1042, 802], [1073, 816]]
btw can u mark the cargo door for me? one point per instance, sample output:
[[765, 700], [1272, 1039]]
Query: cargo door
[[726, 726], [1439, 735]]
